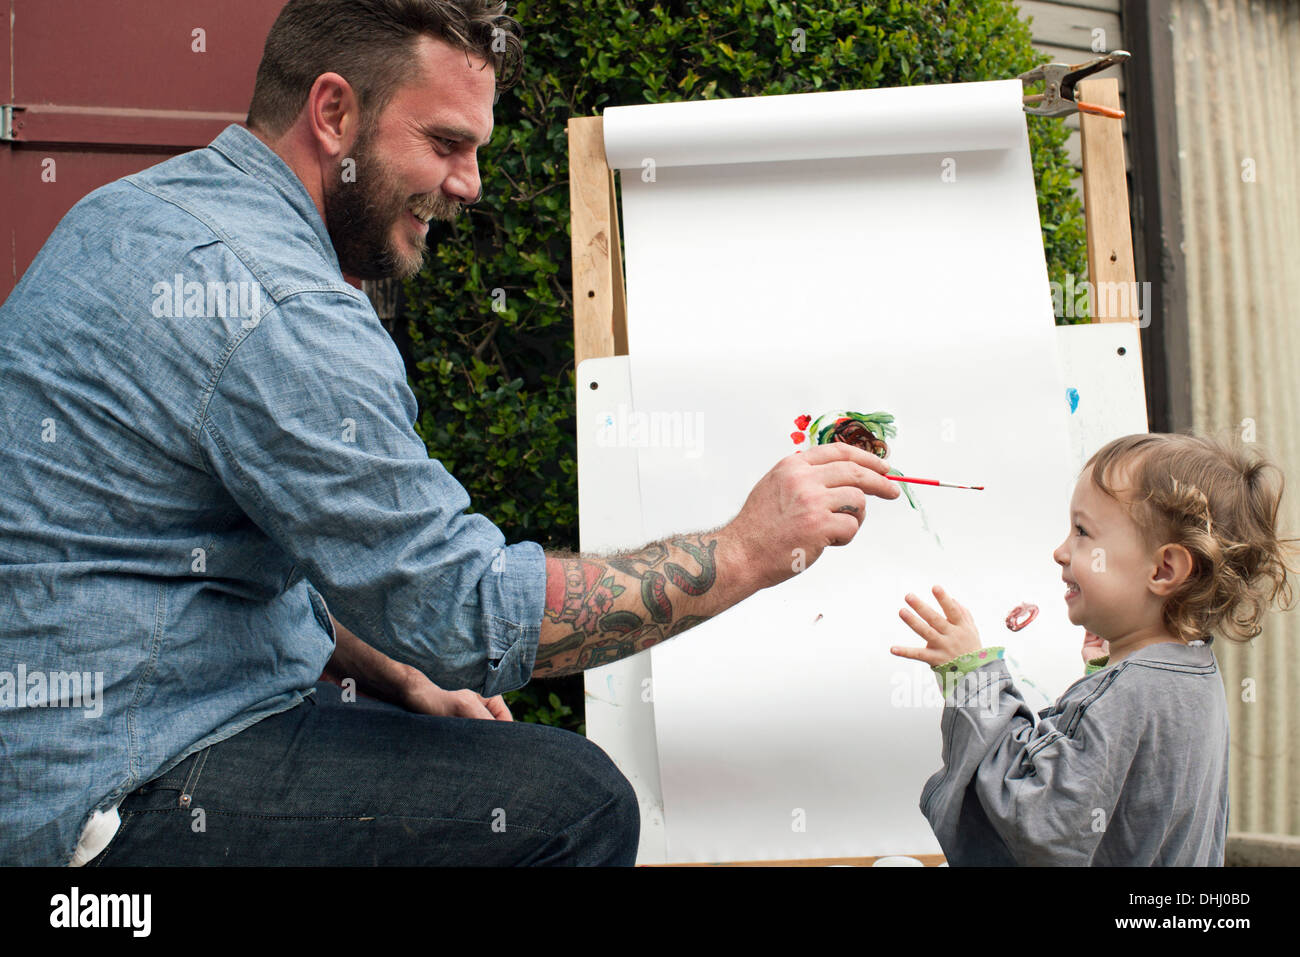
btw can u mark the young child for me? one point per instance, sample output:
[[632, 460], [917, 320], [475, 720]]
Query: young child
[[1173, 538]]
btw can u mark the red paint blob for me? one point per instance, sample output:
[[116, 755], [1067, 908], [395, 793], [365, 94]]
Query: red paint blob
[[1021, 615]]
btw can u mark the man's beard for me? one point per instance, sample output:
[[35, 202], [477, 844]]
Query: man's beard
[[361, 211]]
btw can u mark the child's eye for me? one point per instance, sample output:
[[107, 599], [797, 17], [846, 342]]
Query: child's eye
[[1081, 531]]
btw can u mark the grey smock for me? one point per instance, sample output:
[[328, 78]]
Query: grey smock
[[1128, 767]]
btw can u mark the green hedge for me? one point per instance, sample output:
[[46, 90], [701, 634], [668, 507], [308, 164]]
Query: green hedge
[[494, 370]]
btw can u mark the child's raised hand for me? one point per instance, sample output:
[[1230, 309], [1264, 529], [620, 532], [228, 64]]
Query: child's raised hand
[[945, 637]]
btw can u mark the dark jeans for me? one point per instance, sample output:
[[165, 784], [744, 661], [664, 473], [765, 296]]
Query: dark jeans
[[330, 783]]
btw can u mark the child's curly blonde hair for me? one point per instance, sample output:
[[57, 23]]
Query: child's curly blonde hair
[[1218, 501]]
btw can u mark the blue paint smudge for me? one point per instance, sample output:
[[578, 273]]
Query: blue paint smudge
[[1073, 395]]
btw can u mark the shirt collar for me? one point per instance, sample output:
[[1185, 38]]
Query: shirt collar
[[257, 159], [1175, 652]]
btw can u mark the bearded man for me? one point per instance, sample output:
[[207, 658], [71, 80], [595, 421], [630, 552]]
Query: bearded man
[[215, 493]]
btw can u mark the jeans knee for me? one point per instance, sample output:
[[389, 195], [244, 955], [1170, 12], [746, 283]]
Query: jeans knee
[[604, 814], [624, 815]]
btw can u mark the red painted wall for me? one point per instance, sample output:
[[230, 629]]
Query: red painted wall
[[104, 88]]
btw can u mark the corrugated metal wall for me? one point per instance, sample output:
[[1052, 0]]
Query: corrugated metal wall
[[1239, 143]]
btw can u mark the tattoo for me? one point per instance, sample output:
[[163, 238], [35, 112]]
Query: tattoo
[[586, 595], [695, 584], [649, 556], [690, 621], [655, 597]]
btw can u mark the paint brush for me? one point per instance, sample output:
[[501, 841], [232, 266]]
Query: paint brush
[[921, 481]]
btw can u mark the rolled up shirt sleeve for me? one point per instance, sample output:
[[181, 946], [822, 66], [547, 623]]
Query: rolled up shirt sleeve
[[309, 426]]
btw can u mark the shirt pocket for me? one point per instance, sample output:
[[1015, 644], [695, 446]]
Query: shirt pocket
[[175, 789], [321, 611]]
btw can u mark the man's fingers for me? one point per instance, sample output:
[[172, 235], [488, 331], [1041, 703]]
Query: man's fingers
[[841, 474], [498, 708], [843, 452], [468, 704], [842, 528], [474, 709], [849, 501]]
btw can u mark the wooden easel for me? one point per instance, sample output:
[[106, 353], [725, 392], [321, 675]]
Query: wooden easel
[[600, 302]]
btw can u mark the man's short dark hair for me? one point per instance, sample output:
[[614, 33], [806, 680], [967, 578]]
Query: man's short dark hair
[[371, 44]]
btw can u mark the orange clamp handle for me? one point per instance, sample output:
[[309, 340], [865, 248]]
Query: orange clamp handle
[[1099, 110]]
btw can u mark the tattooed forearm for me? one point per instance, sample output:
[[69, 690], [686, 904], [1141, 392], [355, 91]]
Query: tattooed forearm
[[599, 610]]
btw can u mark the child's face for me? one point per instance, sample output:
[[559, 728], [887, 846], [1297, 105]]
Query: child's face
[[1106, 565]]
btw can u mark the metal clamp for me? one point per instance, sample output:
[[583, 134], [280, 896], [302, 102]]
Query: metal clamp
[[1058, 79]]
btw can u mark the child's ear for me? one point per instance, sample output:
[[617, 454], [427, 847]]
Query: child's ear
[[1174, 565]]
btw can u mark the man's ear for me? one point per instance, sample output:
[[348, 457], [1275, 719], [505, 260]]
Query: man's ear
[[333, 114], [1174, 565]]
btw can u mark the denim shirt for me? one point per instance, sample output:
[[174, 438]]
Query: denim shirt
[[1128, 768], [206, 437]]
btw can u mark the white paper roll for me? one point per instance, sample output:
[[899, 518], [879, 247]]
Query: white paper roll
[[885, 122], [873, 250]]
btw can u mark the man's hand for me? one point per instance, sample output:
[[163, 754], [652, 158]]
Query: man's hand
[[945, 637], [808, 501], [380, 677], [424, 697], [602, 608]]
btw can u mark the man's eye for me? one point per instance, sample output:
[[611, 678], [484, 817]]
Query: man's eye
[[444, 142]]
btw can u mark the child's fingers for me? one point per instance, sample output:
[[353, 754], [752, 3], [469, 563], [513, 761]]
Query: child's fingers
[[920, 627], [951, 608], [931, 617], [923, 655]]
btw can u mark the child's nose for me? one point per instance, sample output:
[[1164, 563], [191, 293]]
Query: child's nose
[[1061, 556]]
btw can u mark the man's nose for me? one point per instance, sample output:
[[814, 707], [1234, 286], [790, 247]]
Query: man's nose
[[464, 182]]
